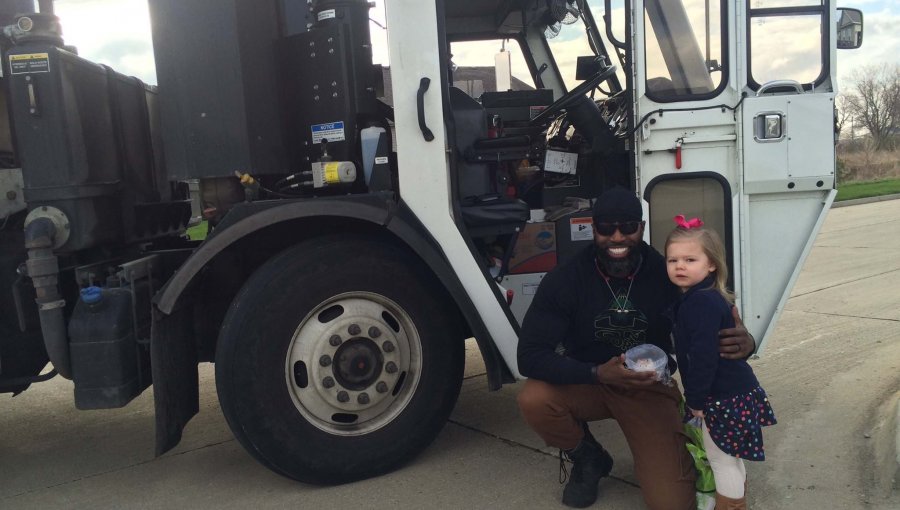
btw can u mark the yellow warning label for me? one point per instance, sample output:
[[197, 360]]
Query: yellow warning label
[[331, 173], [29, 56], [28, 63]]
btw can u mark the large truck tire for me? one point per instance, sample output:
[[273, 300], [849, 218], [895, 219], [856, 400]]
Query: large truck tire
[[339, 360]]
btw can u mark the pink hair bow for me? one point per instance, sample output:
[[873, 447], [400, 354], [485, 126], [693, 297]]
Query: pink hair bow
[[688, 224]]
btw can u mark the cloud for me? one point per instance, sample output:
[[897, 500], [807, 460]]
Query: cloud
[[132, 57], [786, 48], [115, 33], [481, 53]]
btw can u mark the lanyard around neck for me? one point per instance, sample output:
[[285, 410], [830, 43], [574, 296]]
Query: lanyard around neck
[[621, 306]]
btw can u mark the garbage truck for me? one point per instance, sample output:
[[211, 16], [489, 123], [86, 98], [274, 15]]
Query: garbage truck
[[363, 220]]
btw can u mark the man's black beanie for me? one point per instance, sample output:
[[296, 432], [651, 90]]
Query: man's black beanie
[[617, 205]]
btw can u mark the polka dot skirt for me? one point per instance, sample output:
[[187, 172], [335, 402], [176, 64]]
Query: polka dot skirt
[[735, 423]]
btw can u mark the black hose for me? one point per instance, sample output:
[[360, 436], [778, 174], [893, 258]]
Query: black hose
[[43, 270], [661, 111], [19, 381]]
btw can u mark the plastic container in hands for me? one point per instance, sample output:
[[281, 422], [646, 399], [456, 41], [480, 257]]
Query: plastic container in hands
[[648, 358]]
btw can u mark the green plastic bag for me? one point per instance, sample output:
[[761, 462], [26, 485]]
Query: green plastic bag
[[705, 481], [706, 501]]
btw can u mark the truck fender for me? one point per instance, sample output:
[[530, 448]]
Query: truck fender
[[176, 404]]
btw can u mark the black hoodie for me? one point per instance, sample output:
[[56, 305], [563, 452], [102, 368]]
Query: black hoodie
[[575, 323]]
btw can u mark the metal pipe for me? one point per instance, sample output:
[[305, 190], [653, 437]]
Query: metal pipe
[[45, 6], [43, 270]]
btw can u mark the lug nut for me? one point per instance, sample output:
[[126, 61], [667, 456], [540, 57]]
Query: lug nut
[[381, 387], [354, 329], [334, 340], [343, 397], [391, 367], [374, 332], [325, 360], [363, 398], [328, 382], [387, 346]]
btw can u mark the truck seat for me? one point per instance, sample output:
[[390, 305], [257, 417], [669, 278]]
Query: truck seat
[[484, 210]]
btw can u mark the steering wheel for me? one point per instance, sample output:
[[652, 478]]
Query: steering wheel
[[568, 98]]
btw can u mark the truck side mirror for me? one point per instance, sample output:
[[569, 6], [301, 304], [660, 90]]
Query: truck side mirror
[[849, 28]]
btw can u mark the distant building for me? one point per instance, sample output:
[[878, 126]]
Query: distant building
[[474, 81]]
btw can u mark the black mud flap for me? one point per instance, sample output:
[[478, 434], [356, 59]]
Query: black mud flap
[[22, 352], [176, 388]]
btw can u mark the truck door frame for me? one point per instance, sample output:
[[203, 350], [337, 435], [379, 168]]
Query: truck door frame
[[427, 188]]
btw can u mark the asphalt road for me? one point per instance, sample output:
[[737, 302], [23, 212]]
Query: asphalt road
[[830, 369]]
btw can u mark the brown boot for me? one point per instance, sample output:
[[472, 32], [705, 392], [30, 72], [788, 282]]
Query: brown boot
[[723, 503]]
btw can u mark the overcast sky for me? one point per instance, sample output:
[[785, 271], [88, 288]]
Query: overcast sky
[[117, 33]]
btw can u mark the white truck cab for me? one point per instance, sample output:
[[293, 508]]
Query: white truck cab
[[701, 118]]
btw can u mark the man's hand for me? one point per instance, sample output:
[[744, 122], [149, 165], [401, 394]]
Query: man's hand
[[697, 414], [736, 342], [613, 372]]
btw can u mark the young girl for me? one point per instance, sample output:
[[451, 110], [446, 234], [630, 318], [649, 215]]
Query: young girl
[[723, 393]]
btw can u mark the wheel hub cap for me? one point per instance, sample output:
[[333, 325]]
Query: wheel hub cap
[[361, 355], [358, 364]]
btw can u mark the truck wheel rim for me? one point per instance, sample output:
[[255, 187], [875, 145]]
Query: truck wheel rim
[[354, 363]]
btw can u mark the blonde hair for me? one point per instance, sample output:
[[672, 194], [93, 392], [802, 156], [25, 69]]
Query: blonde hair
[[714, 249]]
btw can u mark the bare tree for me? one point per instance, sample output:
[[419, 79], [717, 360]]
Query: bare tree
[[842, 116], [874, 102]]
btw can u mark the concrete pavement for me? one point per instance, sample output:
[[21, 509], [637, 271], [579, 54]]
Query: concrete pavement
[[830, 369]]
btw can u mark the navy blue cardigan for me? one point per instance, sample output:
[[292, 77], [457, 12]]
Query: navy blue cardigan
[[699, 315]]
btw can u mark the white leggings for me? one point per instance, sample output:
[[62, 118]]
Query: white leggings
[[728, 471]]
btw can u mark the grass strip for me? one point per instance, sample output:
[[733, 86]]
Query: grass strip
[[851, 190]]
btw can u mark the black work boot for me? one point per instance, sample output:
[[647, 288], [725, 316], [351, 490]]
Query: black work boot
[[590, 463]]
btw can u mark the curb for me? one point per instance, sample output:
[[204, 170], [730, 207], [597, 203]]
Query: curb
[[887, 448], [896, 431], [867, 200]]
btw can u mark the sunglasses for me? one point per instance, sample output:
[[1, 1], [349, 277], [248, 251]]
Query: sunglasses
[[626, 228]]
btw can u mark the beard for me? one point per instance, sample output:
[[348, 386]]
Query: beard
[[619, 267]]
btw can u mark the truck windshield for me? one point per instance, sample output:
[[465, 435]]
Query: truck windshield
[[684, 45]]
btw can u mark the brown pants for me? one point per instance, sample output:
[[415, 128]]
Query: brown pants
[[649, 418]]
